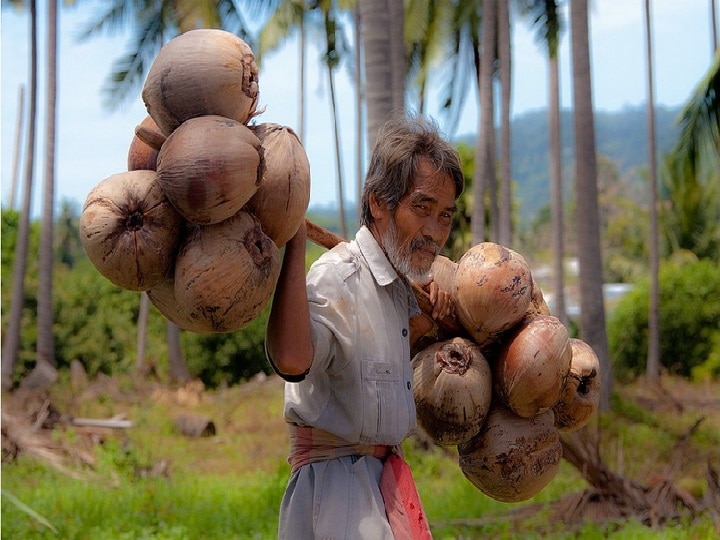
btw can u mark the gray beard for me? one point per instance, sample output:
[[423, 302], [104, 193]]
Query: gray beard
[[401, 259]]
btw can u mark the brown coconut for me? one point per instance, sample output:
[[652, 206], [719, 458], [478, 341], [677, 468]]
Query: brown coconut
[[225, 273], [580, 397], [443, 272], [162, 296], [532, 366], [130, 231], [512, 458], [537, 305], [141, 155], [201, 72], [493, 287], [452, 385], [209, 168], [282, 199]]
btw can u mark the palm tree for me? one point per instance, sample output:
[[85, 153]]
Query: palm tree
[[18, 144], [592, 317], [44, 372], [382, 34], [484, 173], [652, 370], [545, 14], [153, 24], [504, 230], [11, 341]]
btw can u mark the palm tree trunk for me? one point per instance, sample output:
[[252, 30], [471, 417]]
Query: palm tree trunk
[[484, 174], [358, 117], [302, 52], [178, 367], [11, 341], [556, 191], [376, 39], [338, 156], [652, 370], [398, 61], [142, 324], [592, 318], [18, 144], [505, 199], [45, 353]]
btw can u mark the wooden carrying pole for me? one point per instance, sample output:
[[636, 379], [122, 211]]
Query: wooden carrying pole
[[328, 239]]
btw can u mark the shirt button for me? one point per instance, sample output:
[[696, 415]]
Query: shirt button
[[404, 332], [408, 385]]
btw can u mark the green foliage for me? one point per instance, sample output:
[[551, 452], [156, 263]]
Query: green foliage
[[689, 322], [231, 357]]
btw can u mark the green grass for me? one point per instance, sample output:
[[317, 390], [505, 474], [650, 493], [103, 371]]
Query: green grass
[[230, 485]]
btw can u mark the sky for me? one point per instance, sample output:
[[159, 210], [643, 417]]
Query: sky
[[92, 141]]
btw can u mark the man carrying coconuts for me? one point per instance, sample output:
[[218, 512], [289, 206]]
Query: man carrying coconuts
[[341, 337]]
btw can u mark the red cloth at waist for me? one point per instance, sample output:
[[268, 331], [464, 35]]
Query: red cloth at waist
[[402, 503]]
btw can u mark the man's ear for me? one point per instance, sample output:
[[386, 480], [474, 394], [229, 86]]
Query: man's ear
[[377, 209]]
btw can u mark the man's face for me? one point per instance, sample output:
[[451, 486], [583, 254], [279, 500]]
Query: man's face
[[414, 233]]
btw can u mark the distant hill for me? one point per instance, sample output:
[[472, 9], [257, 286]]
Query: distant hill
[[621, 136]]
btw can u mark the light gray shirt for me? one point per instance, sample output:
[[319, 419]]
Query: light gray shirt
[[359, 385]]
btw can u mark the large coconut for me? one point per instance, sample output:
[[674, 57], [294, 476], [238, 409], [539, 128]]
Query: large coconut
[[225, 273], [443, 272], [201, 72], [130, 231], [209, 168], [283, 196], [452, 385], [512, 458], [141, 155], [532, 366], [493, 287], [581, 395], [162, 296]]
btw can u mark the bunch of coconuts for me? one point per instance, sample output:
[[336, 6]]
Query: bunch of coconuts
[[505, 378], [208, 199]]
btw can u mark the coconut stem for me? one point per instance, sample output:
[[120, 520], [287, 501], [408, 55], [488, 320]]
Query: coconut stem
[[154, 139], [134, 221]]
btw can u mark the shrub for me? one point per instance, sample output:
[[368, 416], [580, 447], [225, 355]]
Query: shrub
[[689, 322]]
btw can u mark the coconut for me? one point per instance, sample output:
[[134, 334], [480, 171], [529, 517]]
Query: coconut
[[493, 287], [162, 296], [209, 168], [452, 385], [532, 366], [537, 306], [512, 458], [201, 72], [581, 395], [141, 155], [282, 199], [130, 231], [443, 272], [225, 273]]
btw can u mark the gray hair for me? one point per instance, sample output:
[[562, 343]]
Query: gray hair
[[401, 143]]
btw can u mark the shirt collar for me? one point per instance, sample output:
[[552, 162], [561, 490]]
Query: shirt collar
[[379, 265]]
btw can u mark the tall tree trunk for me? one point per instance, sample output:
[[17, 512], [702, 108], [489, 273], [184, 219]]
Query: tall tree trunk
[[505, 195], [301, 104], [377, 36], [45, 354], [484, 174], [178, 367], [398, 60], [556, 191], [592, 318], [652, 370], [18, 144], [359, 175], [11, 341], [713, 23], [338, 156], [142, 324]]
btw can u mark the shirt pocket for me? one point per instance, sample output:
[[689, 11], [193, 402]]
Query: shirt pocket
[[382, 409]]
